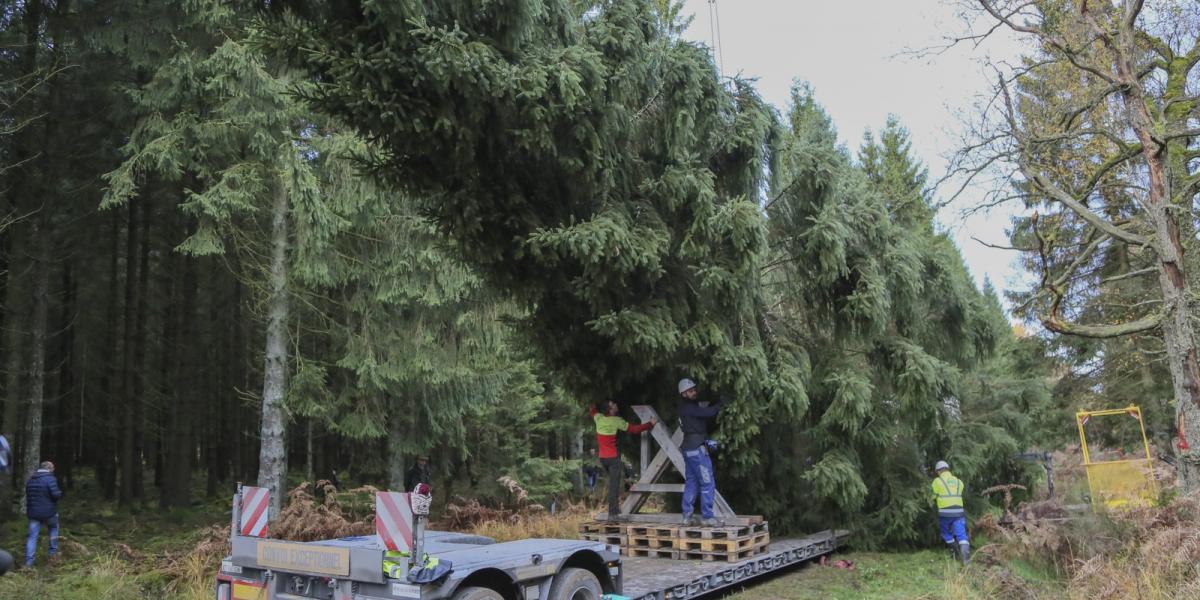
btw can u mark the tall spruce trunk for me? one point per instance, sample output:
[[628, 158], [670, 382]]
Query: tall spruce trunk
[[272, 456], [15, 321], [128, 461], [37, 347], [395, 450], [139, 358]]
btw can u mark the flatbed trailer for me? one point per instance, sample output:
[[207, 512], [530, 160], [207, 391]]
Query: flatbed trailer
[[352, 568]]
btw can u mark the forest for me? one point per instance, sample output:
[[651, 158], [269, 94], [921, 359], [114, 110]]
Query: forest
[[280, 240]]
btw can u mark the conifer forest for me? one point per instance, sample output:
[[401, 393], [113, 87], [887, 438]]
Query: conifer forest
[[281, 241]]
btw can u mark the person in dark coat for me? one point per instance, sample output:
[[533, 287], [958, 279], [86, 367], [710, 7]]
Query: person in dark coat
[[6, 559], [41, 506], [419, 473]]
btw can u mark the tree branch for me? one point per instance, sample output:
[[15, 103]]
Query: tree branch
[[1095, 220], [1129, 275], [1146, 323]]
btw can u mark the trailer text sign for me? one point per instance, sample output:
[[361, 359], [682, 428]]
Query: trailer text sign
[[304, 558]]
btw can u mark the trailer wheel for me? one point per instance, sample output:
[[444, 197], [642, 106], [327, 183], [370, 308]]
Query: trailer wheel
[[477, 593], [575, 584]]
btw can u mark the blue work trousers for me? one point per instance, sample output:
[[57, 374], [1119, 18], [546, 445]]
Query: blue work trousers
[[698, 479], [954, 529], [35, 528]]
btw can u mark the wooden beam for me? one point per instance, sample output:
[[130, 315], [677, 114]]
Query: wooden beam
[[658, 488], [668, 452]]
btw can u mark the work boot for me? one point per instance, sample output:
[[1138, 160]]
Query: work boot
[[690, 521], [710, 522], [965, 553], [954, 551]]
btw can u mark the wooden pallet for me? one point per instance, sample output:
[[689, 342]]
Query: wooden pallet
[[721, 533], [642, 541], [603, 527], [725, 545], [651, 530], [606, 538], [722, 556], [651, 552]]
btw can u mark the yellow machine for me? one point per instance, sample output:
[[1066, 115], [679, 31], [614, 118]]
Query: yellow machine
[[1123, 482]]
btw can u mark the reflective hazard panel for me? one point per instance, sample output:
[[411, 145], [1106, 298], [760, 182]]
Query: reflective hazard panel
[[256, 503], [248, 590], [393, 520]]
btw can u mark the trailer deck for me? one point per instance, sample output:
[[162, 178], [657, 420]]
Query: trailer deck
[[666, 579]]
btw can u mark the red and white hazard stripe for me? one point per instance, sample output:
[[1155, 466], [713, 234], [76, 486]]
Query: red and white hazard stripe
[[255, 503], [393, 520]]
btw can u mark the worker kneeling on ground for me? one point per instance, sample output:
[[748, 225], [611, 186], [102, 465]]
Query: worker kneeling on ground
[[952, 518], [696, 418], [607, 426]]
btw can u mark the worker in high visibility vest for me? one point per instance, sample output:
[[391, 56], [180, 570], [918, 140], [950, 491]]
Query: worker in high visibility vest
[[608, 424], [952, 517]]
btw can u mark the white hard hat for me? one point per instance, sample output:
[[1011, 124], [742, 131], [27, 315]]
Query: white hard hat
[[686, 384], [941, 464]]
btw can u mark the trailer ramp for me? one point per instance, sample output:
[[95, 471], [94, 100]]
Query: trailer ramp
[[666, 579]]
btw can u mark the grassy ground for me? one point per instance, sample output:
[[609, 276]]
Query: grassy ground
[[107, 553], [918, 575]]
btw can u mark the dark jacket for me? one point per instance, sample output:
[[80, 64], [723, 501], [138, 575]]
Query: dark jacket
[[42, 495], [696, 421], [416, 475]]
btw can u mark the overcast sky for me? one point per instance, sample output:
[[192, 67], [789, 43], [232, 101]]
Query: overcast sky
[[853, 54]]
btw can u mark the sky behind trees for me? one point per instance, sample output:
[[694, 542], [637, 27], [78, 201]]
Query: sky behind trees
[[857, 56]]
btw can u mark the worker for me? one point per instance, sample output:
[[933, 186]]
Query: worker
[[419, 473], [696, 417], [6, 559], [41, 506], [608, 425], [591, 470], [952, 518]]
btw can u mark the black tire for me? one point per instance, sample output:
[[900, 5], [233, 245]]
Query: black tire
[[575, 584], [477, 593]]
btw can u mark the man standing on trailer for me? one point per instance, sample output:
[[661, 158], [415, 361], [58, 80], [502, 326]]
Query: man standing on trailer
[[607, 426], [696, 418], [952, 517]]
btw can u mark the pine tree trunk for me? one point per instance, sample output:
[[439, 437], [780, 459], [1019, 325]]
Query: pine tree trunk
[[178, 441], [37, 347], [103, 415], [67, 428], [139, 358], [15, 322], [272, 458], [235, 420], [395, 442], [127, 460]]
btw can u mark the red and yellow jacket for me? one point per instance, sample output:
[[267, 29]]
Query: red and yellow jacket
[[606, 432]]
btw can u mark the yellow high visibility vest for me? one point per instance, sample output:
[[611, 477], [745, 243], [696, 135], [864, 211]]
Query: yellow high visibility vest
[[948, 490]]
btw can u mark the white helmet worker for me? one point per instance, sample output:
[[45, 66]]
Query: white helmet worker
[[941, 466], [686, 384]]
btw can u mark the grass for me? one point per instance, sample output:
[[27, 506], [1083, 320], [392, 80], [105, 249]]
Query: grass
[[916, 575]]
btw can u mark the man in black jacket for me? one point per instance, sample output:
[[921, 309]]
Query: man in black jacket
[[41, 506], [696, 418], [419, 473], [6, 559]]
